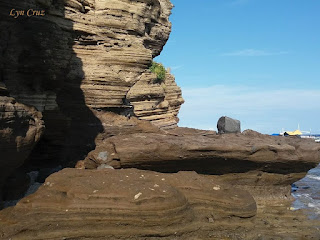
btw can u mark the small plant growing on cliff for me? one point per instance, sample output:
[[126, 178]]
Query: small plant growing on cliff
[[159, 70]]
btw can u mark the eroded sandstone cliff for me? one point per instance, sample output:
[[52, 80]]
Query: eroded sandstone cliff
[[83, 56], [82, 72]]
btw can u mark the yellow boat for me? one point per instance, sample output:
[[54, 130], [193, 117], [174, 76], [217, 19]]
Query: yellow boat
[[294, 133]]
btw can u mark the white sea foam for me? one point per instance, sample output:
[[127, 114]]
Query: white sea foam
[[315, 206], [302, 195], [314, 177]]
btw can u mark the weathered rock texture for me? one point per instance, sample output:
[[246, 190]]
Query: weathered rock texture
[[251, 160], [84, 56], [21, 127], [83, 70], [135, 204], [158, 103], [123, 203], [228, 125]]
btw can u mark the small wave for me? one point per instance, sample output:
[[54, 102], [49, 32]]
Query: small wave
[[314, 177], [315, 207]]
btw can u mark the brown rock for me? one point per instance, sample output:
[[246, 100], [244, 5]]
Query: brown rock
[[80, 57], [92, 57], [122, 204], [135, 204], [21, 127], [158, 103], [254, 160]]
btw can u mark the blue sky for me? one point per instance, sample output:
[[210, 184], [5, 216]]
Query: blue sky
[[257, 61]]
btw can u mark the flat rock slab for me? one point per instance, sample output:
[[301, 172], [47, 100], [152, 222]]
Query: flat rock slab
[[122, 203], [264, 165], [210, 153]]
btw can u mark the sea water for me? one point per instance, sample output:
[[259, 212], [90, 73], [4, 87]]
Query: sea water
[[307, 193]]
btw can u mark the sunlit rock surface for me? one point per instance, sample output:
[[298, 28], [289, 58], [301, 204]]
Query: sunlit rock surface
[[82, 71], [83, 56], [123, 203]]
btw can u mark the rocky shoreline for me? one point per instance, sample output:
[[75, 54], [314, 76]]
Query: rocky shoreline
[[76, 94]]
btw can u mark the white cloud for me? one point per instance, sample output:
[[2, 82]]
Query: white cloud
[[253, 53], [176, 67], [244, 97], [258, 109]]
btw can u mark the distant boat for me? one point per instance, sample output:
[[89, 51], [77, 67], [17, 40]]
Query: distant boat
[[294, 133], [290, 133], [299, 133]]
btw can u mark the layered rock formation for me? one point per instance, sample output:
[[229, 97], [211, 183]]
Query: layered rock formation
[[82, 57], [82, 71], [254, 161], [21, 128], [135, 204], [124, 203], [157, 103], [86, 55]]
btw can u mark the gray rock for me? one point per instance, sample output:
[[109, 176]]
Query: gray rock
[[103, 156], [228, 125]]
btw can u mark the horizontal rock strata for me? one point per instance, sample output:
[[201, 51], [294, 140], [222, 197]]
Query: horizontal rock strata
[[158, 103], [82, 71], [83, 56], [137, 204], [248, 159], [123, 203]]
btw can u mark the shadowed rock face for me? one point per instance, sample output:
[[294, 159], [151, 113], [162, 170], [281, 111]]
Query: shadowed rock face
[[41, 69], [92, 58], [84, 56], [21, 128]]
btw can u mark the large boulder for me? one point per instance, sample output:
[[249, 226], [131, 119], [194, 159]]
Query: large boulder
[[228, 125]]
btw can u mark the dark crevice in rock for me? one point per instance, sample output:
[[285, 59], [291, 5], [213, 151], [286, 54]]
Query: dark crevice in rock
[[219, 166], [134, 33], [149, 27], [123, 111]]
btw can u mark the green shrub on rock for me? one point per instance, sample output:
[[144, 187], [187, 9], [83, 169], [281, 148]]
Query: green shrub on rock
[[159, 70]]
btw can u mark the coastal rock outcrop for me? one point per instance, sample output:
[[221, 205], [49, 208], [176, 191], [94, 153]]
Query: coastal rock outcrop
[[137, 204], [82, 56], [21, 127], [250, 159], [158, 103], [123, 203], [81, 69]]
